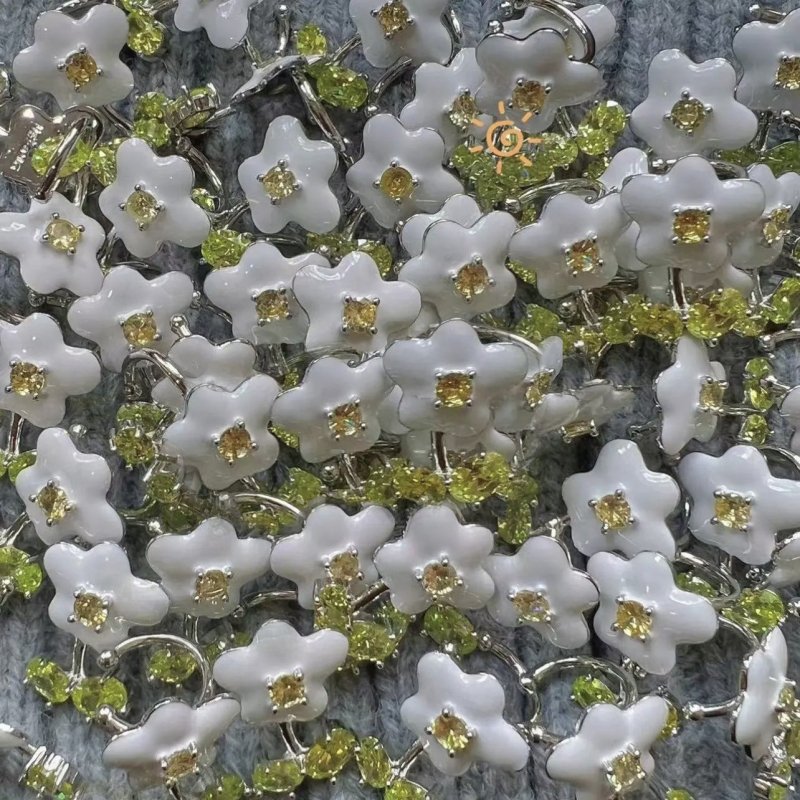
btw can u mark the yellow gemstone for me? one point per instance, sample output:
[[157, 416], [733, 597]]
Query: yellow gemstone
[[688, 114], [53, 501], [359, 316], [279, 183], [788, 76], [692, 225], [213, 586], [143, 207], [63, 236], [732, 510], [344, 567], [179, 765], [345, 420], [711, 395], [27, 380], [531, 606], [272, 305], [235, 443], [454, 389], [397, 183], [393, 17], [463, 111], [529, 96], [471, 280], [538, 387], [633, 620], [140, 330], [439, 579], [625, 772], [81, 69], [583, 256], [451, 732], [613, 510], [90, 610], [776, 225], [287, 691]]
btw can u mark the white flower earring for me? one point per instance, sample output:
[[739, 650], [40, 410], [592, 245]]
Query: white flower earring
[[224, 21], [460, 208]]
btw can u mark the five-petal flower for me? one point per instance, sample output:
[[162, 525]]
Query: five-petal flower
[[225, 21]]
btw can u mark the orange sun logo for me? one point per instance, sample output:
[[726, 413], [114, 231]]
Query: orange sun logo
[[504, 139]]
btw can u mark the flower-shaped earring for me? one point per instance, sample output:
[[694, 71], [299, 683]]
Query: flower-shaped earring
[[737, 504], [643, 613], [786, 563], [538, 587], [39, 371], [258, 295], [97, 598], [401, 171], [351, 307], [620, 504], [690, 108], [150, 201], [462, 271], [65, 490], [130, 312], [460, 208], [391, 29], [224, 435], [203, 572], [279, 676], [449, 379], [56, 245], [77, 60], [335, 408], [288, 180], [437, 560], [224, 21], [459, 717]]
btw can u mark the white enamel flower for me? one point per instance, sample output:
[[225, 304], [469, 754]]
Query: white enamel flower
[[224, 21], [737, 504], [688, 216], [77, 59], [56, 245], [258, 295], [401, 171], [462, 271], [625, 164], [130, 312], [65, 490], [459, 717], [279, 676], [691, 108], [598, 402], [449, 379], [538, 587], [786, 563], [572, 244], [288, 180], [351, 307], [150, 201], [690, 395], [531, 78], [202, 363], [620, 504], [173, 742], [460, 208], [390, 29], [790, 409], [335, 408], [610, 753], [97, 598], [223, 434], [333, 544], [39, 372], [770, 59], [643, 613], [203, 571], [437, 560]]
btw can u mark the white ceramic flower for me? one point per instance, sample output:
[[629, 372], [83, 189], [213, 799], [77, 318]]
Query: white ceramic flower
[[598, 402], [39, 372], [223, 434], [756, 720], [203, 571], [572, 244], [224, 21], [462, 270], [538, 587], [130, 312], [529, 79], [56, 245], [65, 490], [625, 164], [333, 544], [437, 560], [202, 363], [401, 171], [610, 753], [450, 379], [391, 29], [770, 58], [790, 408], [77, 59], [174, 741], [350, 307], [279, 676], [288, 180], [150, 201], [460, 208], [335, 408], [761, 243], [691, 108], [687, 216], [737, 505], [786, 563], [459, 717], [97, 598], [620, 504], [258, 295], [643, 613]]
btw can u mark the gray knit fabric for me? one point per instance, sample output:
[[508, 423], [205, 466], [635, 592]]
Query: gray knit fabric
[[702, 759]]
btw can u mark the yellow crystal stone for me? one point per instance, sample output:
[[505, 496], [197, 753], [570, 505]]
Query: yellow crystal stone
[[776, 225], [26, 379], [633, 619], [529, 96], [53, 501], [359, 315], [234, 443], [272, 305], [90, 610], [287, 691], [692, 225], [439, 579], [393, 17], [63, 236], [397, 183], [788, 76], [179, 765], [471, 280], [711, 395], [625, 772], [212, 586], [583, 256], [531, 606], [279, 183], [463, 111], [453, 389], [688, 114], [451, 732], [81, 69], [344, 567], [140, 329], [613, 510], [731, 510], [345, 420], [537, 387], [143, 207]]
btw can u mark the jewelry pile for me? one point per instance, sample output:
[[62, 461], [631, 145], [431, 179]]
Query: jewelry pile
[[358, 449]]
